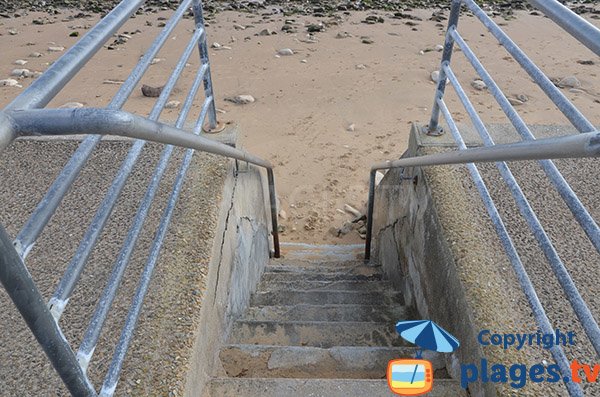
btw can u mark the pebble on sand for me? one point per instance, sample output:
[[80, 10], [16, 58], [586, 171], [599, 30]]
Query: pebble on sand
[[478, 84], [21, 73], [241, 99], [266, 32], [9, 83], [151, 92], [172, 105], [56, 49], [20, 62], [285, 52], [515, 101], [569, 82]]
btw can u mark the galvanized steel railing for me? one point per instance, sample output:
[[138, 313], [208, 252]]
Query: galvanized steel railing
[[25, 116], [586, 144]]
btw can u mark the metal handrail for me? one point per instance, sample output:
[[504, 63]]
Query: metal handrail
[[583, 145], [25, 116]]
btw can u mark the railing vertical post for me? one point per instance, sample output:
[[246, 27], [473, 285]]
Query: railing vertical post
[[203, 48], [370, 206], [433, 128], [273, 203], [21, 288]]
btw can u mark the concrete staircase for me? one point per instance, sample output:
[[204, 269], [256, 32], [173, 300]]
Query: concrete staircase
[[319, 328]]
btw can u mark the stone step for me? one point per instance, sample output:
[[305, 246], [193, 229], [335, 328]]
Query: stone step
[[282, 276], [322, 252], [350, 362], [315, 333], [293, 297], [322, 268], [303, 312], [277, 387], [312, 285]]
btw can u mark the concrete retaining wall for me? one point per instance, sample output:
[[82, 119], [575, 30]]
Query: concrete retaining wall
[[434, 240], [240, 252]]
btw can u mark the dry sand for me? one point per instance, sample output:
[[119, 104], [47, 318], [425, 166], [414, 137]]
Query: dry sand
[[306, 102]]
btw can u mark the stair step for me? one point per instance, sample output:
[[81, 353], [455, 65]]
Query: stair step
[[304, 312], [276, 387], [311, 285], [322, 268], [292, 297], [315, 333], [322, 252], [284, 276], [350, 362]]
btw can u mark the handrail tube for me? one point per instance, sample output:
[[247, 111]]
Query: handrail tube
[[90, 339], [7, 131], [566, 192], [560, 100], [580, 145], [203, 51], [513, 256], [579, 306], [576, 26], [56, 122], [29, 301], [47, 206], [67, 283], [433, 126], [45, 87]]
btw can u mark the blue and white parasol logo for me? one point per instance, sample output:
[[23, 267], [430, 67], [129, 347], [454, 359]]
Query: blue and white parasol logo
[[427, 335]]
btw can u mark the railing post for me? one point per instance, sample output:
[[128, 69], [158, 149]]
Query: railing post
[[370, 205], [203, 49], [433, 128], [21, 288], [273, 203]]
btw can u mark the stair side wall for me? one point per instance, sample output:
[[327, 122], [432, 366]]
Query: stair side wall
[[240, 253], [437, 245]]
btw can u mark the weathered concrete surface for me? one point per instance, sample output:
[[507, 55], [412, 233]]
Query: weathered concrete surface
[[257, 387], [343, 362], [315, 333], [293, 296], [292, 343], [435, 240], [158, 359], [341, 312], [240, 253]]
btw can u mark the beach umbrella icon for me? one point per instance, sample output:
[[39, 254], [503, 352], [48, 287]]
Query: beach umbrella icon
[[427, 335]]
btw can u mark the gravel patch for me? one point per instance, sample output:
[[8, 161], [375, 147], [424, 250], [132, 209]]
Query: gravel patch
[[317, 8], [158, 357]]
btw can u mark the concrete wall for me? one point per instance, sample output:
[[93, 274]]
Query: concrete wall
[[413, 252], [240, 253], [434, 240]]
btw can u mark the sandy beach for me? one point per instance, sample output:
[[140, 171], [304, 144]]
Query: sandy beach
[[344, 99]]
